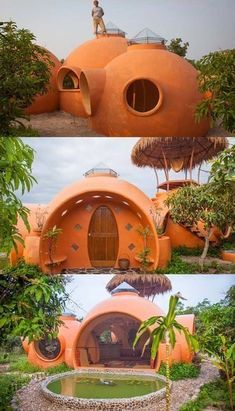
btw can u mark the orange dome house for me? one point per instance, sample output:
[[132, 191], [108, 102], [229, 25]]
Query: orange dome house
[[99, 217], [95, 53], [49, 101], [119, 317], [50, 353], [147, 91]]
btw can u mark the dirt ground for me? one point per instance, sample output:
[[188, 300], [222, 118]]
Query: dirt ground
[[60, 124]]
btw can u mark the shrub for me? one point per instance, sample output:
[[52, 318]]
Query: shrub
[[9, 384], [58, 369], [24, 366], [178, 266], [213, 394], [181, 371]]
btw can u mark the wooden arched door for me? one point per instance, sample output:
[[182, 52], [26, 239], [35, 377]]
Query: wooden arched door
[[103, 238]]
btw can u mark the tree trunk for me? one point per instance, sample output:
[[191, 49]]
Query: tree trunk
[[205, 250], [227, 233], [230, 390], [168, 394]]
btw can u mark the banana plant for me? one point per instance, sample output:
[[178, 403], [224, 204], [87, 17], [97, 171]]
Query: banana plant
[[165, 331], [225, 361]]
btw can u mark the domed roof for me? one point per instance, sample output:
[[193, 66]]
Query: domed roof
[[96, 53], [151, 83], [96, 183], [124, 302]]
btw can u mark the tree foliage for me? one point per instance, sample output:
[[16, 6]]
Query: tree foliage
[[212, 204], [222, 176], [213, 320], [30, 302], [165, 331], [217, 80], [24, 73], [178, 47], [193, 204], [16, 160], [15, 174]]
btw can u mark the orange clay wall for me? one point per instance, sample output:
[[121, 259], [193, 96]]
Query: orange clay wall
[[76, 338], [94, 53], [75, 226], [49, 101], [172, 115]]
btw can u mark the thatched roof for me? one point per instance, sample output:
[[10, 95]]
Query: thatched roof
[[147, 284], [156, 152]]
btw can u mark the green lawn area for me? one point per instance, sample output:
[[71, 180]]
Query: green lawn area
[[178, 265]]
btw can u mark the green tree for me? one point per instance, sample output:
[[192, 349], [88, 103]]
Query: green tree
[[222, 176], [30, 302], [178, 47], [193, 204], [166, 326], [52, 237], [213, 320], [225, 362], [24, 73], [16, 160], [217, 81], [144, 254]]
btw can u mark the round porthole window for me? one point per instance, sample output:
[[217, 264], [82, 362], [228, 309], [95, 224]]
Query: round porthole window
[[142, 96], [48, 349]]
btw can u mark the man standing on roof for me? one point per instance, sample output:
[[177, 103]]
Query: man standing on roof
[[97, 14]]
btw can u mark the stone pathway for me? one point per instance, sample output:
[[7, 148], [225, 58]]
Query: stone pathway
[[97, 271], [30, 398]]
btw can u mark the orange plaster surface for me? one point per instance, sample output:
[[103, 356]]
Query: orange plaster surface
[[128, 204], [78, 341], [49, 101], [228, 256], [176, 80], [96, 53]]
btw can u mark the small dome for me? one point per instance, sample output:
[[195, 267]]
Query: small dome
[[147, 36], [101, 169], [124, 287], [113, 30]]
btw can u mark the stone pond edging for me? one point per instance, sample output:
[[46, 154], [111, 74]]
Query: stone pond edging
[[104, 404]]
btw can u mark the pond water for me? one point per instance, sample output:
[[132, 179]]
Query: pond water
[[105, 386]]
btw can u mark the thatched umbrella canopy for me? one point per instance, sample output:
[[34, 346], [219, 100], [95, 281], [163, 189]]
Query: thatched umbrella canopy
[[182, 153], [148, 285]]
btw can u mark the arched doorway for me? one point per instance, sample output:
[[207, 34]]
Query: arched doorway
[[108, 341], [103, 238]]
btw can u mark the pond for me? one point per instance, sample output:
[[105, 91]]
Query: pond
[[110, 386], [99, 389]]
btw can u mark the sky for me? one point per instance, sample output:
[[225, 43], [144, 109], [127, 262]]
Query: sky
[[88, 290], [60, 25], [62, 161]]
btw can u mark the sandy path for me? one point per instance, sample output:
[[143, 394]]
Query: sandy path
[[60, 124]]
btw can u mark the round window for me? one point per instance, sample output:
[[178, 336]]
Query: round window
[[49, 349], [142, 95]]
